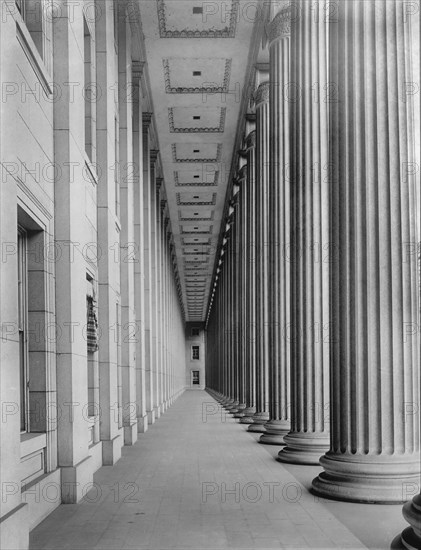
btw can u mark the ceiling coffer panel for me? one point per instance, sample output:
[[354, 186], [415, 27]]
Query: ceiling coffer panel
[[187, 120], [196, 153], [196, 199], [197, 241], [201, 229], [189, 215], [196, 98], [197, 75], [200, 176], [205, 19]]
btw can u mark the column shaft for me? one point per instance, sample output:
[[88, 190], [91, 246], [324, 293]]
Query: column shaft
[[250, 276], [262, 205], [309, 332], [374, 451], [279, 220]]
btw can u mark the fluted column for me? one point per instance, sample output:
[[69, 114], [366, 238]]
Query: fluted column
[[308, 439], [240, 290], [232, 315], [411, 536], [250, 278], [279, 236], [374, 452], [262, 204]]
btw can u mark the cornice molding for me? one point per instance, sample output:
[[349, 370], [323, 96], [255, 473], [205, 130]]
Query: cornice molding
[[153, 156]]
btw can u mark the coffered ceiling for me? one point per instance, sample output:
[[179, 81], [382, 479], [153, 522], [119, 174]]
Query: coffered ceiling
[[198, 62]]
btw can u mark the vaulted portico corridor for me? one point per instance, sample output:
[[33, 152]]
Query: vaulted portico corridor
[[197, 479]]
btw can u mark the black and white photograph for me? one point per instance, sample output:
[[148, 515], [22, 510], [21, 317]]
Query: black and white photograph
[[210, 275]]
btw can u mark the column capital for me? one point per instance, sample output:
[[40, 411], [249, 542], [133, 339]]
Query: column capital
[[241, 175], [250, 140], [261, 95], [280, 26], [159, 182]]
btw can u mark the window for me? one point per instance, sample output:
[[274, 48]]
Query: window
[[32, 13], [195, 331], [23, 329], [195, 352], [195, 376]]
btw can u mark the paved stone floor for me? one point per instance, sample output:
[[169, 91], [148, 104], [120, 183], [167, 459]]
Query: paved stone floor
[[198, 480]]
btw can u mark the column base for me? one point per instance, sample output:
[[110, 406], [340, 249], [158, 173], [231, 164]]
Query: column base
[[142, 424], [275, 432], [409, 540], [411, 536], [249, 412], [366, 478], [259, 421], [157, 411], [228, 402], [240, 412], [304, 448], [233, 408]]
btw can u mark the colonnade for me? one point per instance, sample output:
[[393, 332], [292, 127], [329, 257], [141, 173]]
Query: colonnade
[[317, 305]]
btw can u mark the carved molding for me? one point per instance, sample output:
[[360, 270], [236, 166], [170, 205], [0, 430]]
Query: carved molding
[[153, 155], [137, 70], [146, 120]]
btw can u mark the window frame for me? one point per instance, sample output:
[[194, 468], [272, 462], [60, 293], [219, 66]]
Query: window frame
[[193, 383], [22, 272], [193, 349], [35, 23]]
